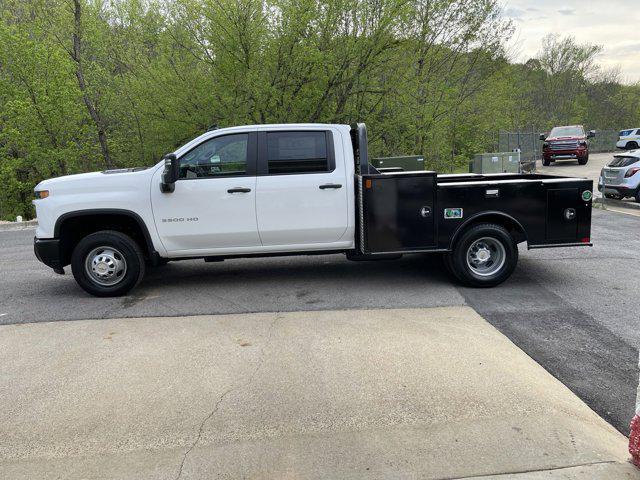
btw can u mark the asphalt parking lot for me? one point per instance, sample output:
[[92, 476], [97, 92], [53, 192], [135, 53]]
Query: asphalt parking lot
[[575, 311]]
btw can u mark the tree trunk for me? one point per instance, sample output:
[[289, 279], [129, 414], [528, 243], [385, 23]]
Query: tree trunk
[[76, 54]]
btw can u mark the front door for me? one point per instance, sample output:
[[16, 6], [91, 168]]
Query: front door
[[212, 209], [302, 189]]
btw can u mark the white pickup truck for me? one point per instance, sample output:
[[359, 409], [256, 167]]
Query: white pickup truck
[[290, 190]]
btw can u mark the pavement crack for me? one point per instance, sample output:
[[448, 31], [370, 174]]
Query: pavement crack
[[230, 390]]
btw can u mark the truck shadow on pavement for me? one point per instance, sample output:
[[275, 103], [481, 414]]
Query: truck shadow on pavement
[[304, 283]]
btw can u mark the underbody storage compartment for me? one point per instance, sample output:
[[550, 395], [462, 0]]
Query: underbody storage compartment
[[568, 214], [544, 210], [397, 211]]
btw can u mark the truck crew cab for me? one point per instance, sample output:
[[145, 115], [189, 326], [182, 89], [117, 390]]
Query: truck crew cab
[[292, 190]]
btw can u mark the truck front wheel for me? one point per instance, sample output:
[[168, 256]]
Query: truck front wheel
[[484, 256], [107, 263]]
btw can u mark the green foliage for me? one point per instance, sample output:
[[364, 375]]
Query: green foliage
[[89, 84]]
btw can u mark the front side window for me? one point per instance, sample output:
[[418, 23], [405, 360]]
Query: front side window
[[220, 156], [297, 152]]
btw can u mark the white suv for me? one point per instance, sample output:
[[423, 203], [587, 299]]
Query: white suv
[[621, 177], [629, 139]]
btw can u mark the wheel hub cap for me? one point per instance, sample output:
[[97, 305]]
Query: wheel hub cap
[[486, 256], [106, 266], [482, 255]]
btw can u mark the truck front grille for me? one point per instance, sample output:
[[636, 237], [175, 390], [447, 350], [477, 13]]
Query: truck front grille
[[568, 145]]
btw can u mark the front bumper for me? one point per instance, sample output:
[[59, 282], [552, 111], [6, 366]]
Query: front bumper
[[47, 250], [562, 154]]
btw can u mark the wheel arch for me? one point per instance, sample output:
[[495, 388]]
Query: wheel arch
[[70, 227], [513, 226]]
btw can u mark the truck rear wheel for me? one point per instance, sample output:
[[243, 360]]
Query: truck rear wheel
[[107, 263], [484, 256]]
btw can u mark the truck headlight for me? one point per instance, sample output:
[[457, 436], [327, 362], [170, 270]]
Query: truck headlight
[[40, 194]]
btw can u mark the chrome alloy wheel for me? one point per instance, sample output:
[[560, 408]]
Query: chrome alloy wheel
[[486, 256], [105, 266]]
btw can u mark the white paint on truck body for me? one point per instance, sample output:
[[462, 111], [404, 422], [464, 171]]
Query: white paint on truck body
[[281, 213]]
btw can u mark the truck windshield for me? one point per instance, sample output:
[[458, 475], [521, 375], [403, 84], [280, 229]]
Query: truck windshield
[[567, 132]]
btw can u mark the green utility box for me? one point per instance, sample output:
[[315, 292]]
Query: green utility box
[[501, 162], [411, 163]]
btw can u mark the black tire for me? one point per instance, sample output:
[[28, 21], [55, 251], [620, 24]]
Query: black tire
[[111, 248], [637, 195], [632, 145], [546, 162], [484, 234], [583, 160]]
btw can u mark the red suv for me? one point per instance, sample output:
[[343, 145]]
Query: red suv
[[566, 142]]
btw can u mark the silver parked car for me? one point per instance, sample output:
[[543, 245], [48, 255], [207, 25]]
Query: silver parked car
[[621, 177]]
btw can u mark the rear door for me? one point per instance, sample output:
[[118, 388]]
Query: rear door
[[301, 190]]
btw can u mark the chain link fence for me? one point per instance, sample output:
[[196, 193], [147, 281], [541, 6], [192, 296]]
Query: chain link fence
[[530, 146]]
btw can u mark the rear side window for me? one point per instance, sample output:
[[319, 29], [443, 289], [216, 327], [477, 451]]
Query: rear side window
[[297, 152], [623, 161], [624, 133]]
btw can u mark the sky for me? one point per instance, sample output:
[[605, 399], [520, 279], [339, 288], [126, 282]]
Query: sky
[[614, 24]]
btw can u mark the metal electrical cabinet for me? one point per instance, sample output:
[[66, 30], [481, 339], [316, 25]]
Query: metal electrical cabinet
[[501, 162]]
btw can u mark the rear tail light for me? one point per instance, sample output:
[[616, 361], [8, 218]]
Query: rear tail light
[[631, 172]]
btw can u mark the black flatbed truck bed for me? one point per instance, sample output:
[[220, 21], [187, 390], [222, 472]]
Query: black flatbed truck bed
[[422, 211]]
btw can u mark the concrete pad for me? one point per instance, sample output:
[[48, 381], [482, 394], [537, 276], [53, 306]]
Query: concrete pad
[[429, 393], [594, 471]]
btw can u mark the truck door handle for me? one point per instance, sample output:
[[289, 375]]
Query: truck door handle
[[330, 185], [239, 190]]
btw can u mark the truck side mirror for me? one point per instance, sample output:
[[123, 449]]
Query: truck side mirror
[[170, 174], [591, 134], [543, 137]]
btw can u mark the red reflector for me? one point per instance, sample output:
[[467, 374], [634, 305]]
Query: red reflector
[[585, 240], [367, 183]]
